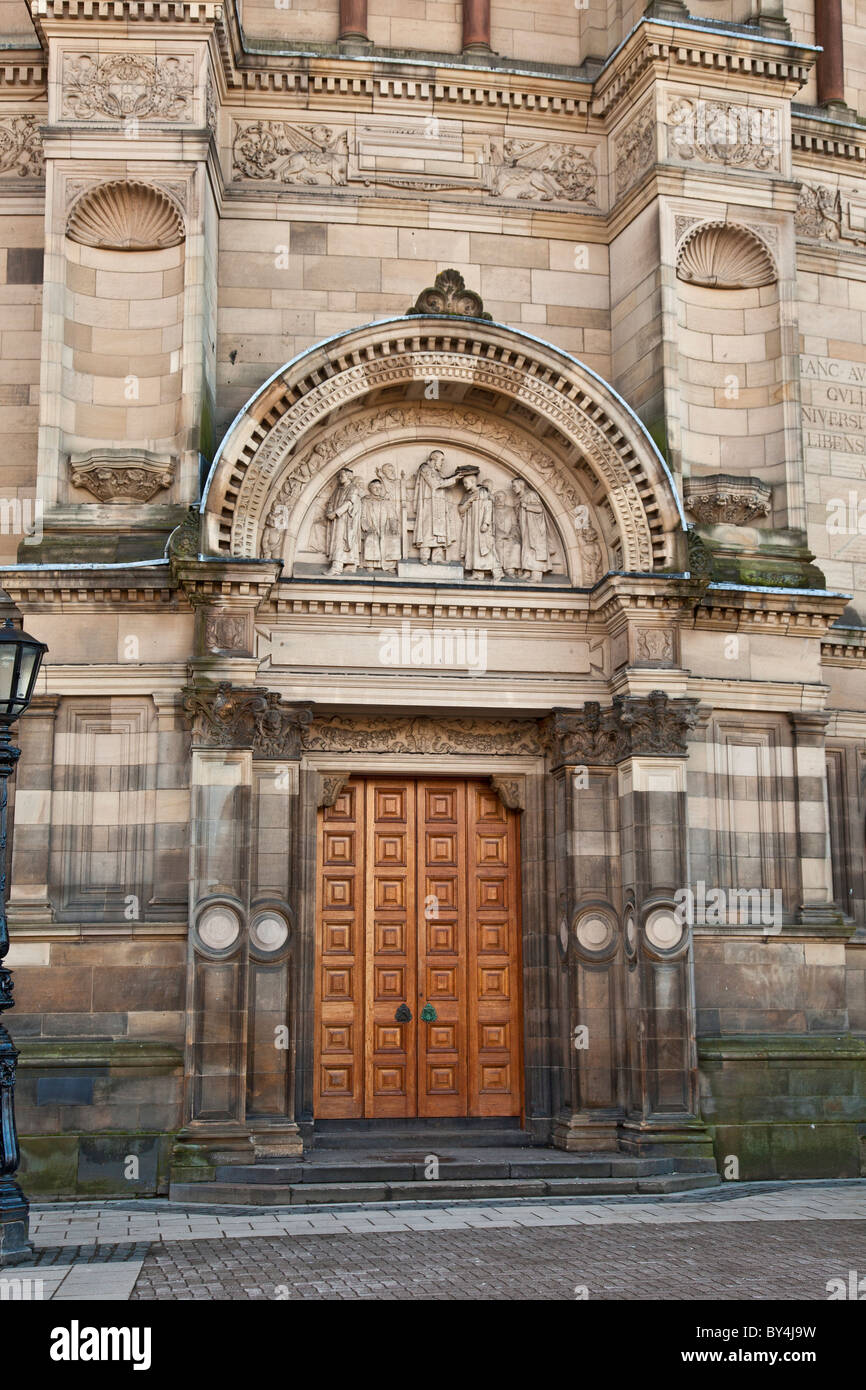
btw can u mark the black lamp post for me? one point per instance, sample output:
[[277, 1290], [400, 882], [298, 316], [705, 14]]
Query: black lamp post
[[20, 659]]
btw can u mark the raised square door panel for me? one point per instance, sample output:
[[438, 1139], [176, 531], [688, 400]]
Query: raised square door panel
[[418, 894]]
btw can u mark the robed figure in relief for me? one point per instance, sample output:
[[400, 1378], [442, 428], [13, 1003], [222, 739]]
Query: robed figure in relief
[[435, 529], [380, 529], [343, 513], [532, 526], [477, 549]]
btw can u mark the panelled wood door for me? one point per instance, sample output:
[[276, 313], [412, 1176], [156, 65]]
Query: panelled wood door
[[418, 902]]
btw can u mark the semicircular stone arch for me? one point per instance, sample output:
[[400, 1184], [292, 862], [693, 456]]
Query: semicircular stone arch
[[565, 430]]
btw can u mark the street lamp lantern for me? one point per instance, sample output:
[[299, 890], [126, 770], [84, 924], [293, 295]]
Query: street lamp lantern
[[20, 658]]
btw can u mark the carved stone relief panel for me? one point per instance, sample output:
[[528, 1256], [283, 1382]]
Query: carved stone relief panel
[[127, 86], [702, 131], [21, 147], [424, 154], [407, 507], [635, 149]]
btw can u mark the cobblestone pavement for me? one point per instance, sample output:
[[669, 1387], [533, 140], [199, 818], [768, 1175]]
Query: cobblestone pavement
[[740, 1261], [756, 1241]]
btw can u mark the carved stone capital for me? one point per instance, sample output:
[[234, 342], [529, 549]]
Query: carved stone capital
[[633, 726], [226, 716], [656, 724]]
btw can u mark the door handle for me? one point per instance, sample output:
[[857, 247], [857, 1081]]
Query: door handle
[[403, 1014]]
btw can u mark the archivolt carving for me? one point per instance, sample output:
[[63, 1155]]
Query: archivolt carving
[[125, 216], [583, 412], [724, 256]]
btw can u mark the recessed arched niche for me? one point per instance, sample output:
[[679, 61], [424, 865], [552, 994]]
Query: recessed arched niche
[[731, 362], [124, 252]]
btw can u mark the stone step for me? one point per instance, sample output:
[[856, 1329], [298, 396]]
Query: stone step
[[448, 1189], [461, 1166], [390, 1134]]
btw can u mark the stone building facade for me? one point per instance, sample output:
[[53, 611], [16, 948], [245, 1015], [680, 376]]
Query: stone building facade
[[435, 457]]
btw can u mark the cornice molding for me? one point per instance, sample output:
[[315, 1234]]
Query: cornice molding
[[673, 51], [654, 48]]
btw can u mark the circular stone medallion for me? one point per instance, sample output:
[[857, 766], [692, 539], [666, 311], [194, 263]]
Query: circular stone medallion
[[270, 932], [218, 928], [663, 930]]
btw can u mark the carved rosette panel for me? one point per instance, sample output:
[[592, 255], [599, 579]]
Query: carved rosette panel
[[227, 716], [722, 132], [633, 726], [126, 87], [21, 148]]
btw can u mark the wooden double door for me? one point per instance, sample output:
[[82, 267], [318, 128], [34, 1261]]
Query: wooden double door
[[418, 913]]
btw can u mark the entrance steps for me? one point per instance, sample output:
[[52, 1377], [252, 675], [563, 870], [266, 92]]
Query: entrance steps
[[393, 1173]]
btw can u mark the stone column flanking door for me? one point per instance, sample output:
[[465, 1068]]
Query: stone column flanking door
[[244, 781], [586, 862], [636, 1085]]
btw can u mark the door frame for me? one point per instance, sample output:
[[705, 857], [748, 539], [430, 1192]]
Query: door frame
[[541, 1063]]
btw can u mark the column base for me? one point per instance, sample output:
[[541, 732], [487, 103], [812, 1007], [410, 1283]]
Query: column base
[[15, 1244], [202, 1146], [666, 9], [583, 1132], [686, 1139], [775, 28], [282, 1140]]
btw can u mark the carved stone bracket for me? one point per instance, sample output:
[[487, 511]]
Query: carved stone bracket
[[121, 475], [633, 726], [511, 792], [226, 716], [722, 497], [330, 786]]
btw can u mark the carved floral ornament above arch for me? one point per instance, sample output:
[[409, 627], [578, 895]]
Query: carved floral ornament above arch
[[499, 405]]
